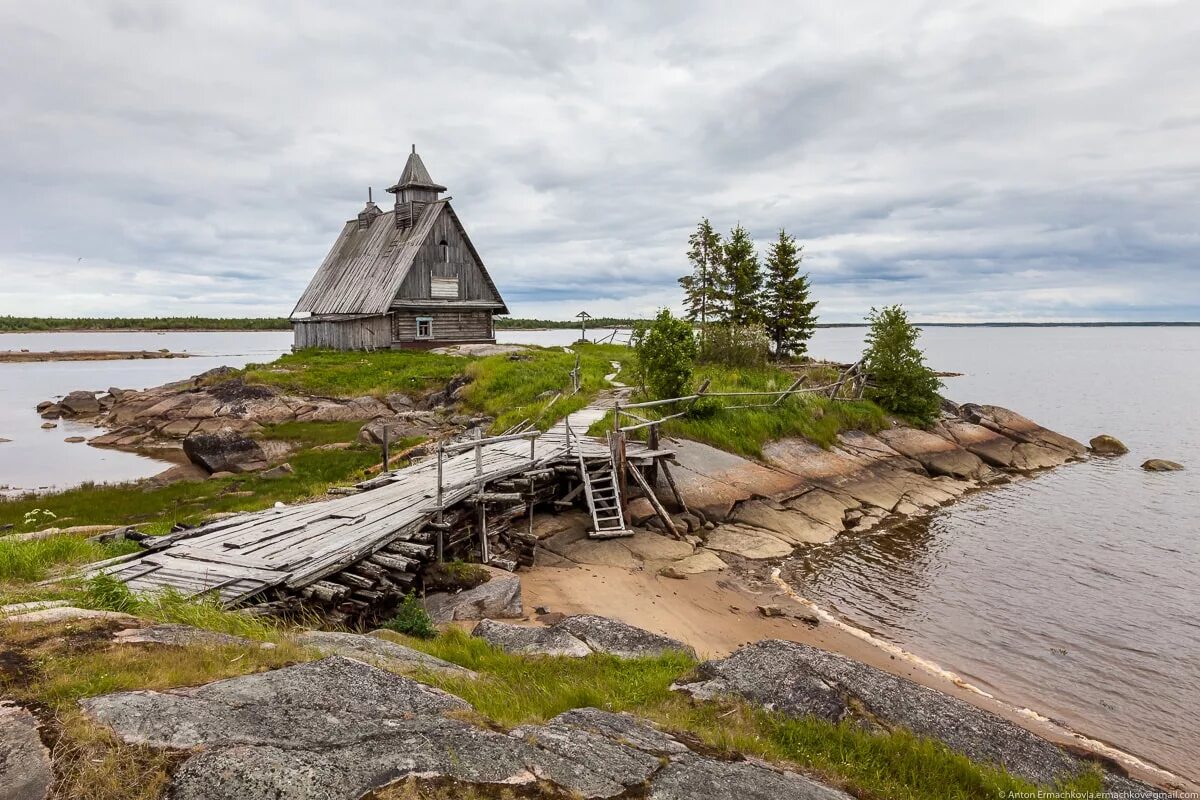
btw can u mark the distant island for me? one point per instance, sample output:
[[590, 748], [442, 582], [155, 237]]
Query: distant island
[[10, 324]]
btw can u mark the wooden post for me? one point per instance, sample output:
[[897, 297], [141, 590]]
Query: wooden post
[[441, 455], [385, 447], [617, 444], [485, 552], [617, 415], [478, 453], [667, 522], [666, 471], [652, 443], [790, 389]]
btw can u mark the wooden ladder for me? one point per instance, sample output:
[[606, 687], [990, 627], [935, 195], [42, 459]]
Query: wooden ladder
[[602, 490]]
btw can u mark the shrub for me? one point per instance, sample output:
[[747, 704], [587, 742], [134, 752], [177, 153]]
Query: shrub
[[736, 345], [899, 381], [666, 351], [411, 619]]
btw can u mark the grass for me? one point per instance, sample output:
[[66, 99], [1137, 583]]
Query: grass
[[746, 431], [330, 373], [30, 561]]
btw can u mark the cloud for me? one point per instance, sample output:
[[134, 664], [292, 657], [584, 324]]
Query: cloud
[[974, 161]]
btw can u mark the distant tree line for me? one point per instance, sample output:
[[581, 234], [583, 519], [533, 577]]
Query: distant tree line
[[31, 324], [733, 298]]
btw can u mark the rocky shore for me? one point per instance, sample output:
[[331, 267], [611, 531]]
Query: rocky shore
[[21, 356]]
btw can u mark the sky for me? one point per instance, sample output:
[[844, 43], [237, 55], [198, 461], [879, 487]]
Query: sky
[[973, 161]]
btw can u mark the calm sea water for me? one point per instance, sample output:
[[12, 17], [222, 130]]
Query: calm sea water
[[40, 459], [1074, 593]]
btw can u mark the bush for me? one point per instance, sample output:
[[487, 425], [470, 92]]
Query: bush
[[666, 350], [736, 345], [899, 381], [411, 619]]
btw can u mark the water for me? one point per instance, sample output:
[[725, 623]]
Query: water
[[1072, 593], [40, 459]]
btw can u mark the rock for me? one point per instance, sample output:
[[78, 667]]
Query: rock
[[4, 441], [799, 681], [500, 598], [747, 542], [605, 635], [790, 525], [222, 474], [338, 729], [692, 777], [712, 481], [33, 605], [1161, 465], [74, 439], [376, 648], [48, 425], [1105, 445], [175, 635], [45, 404], [80, 404], [1020, 429], [229, 451], [25, 769], [372, 432], [66, 614], [700, 561], [600, 552], [937, 455], [280, 471], [640, 511], [655, 547], [399, 402], [51, 411], [525, 639], [770, 611]]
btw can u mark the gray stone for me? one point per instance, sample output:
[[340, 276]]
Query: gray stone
[[1105, 445], [281, 471], [66, 614], [639, 733], [230, 451], [617, 638], [25, 771], [499, 597], [80, 404], [175, 635], [801, 681], [399, 402], [528, 639], [379, 650], [589, 763], [692, 777], [1161, 465], [74, 439], [397, 429]]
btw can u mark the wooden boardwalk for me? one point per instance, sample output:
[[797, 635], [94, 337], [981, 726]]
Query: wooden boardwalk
[[294, 546]]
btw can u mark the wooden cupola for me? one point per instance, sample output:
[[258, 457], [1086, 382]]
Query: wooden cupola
[[413, 191]]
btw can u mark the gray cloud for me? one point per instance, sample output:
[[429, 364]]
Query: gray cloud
[[972, 161]]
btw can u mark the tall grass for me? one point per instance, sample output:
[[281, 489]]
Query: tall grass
[[31, 561]]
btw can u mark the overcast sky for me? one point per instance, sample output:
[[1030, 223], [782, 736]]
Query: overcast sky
[[973, 161]]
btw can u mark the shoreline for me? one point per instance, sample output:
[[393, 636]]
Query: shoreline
[[32, 357], [716, 614]]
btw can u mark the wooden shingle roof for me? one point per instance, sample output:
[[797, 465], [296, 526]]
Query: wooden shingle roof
[[365, 267]]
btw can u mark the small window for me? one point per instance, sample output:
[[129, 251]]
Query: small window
[[445, 252], [424, 327]]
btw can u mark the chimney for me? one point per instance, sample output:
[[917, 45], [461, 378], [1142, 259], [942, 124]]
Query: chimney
[[369, 213]]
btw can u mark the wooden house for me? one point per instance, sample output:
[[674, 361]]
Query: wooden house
[[408, 277]]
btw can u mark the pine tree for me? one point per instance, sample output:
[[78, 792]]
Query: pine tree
[[788, 311], [742, 279], [702, 289], [898, 379]]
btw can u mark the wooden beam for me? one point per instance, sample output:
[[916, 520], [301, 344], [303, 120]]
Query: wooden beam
[[667, 522], [666, 471]]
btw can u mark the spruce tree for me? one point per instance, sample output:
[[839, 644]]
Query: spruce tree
[[742, 279], [702, 289], [898, 379], [787, 309]]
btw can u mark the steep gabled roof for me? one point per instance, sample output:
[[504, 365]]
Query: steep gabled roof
[[366, 267]]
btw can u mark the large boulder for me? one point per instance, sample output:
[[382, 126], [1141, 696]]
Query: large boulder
[[1105, 445], [229, 451], [25, 770], [530, 639], [338, 729], [611, 636], [397, 429], [1019, 428], [500, 598], [802, 681], [80, 404]]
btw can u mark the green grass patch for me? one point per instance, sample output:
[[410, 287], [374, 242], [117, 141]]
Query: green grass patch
[[312, 434], [31, 561], [331, 373]]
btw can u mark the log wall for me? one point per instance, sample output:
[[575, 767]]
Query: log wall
[[359, 333], [449, 325]]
